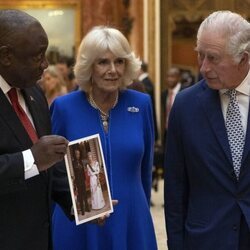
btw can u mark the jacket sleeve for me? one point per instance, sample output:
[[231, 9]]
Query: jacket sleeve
[[175, 188], [60, 188], [11, 173]]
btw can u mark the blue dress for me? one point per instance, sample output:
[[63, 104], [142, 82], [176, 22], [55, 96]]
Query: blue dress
[[128, 153]]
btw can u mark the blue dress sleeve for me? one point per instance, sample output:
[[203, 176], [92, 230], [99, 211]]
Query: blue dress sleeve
[[57, 118], [147, 161]]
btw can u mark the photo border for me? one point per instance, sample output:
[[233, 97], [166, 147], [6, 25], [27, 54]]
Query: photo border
[[69, 164]]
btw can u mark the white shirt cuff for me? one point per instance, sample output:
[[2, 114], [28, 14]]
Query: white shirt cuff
[[30, 168]]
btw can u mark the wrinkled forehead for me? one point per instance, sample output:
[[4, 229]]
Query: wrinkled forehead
[[207, 40]]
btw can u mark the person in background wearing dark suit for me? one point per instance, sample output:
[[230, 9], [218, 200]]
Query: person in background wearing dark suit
[[27, 151], [207, 177], [149, 89], [173, 86], [148, 85], [147, 82], [137, 85]]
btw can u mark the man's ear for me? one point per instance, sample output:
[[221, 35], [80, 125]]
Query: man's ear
[[244, 59], [5, 55]]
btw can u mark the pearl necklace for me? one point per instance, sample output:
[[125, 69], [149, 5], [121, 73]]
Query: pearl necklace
[[104, 115]]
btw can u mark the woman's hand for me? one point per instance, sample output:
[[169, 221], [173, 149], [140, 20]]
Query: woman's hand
[[101, 221]]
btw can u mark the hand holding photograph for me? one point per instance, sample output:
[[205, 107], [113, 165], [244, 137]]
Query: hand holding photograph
[[88, 179]]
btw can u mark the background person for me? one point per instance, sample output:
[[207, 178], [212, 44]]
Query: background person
[[53, 83], [173, 87], [207, 177], [27, 151], [123, 119], [64, 66], [149, 88]]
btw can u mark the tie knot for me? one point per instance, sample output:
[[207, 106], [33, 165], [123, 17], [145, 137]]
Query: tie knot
[[12, 93], [231, 93]]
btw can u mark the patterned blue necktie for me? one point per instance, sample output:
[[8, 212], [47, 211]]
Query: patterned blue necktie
[[235, 132]]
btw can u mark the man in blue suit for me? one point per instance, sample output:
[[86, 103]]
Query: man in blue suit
[[207, 177]]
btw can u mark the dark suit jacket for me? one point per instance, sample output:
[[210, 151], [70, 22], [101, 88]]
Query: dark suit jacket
[[164, 97], [204, 202], [149, 88], [25, 204]]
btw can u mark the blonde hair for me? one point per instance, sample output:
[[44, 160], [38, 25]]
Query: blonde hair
[[98, 41], [60, 87]]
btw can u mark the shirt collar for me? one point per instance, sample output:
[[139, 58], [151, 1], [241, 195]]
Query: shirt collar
[[4, 85], [243, 88], [177, 88], [142, 76]]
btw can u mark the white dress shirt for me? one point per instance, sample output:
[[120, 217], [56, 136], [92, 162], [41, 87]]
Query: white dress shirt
[[175, 90], [243, 94], [142, 76], [30, 169]]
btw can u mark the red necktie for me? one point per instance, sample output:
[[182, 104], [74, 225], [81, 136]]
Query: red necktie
[[22, 115]]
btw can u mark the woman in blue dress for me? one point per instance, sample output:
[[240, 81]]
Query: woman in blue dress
[[123, 118]]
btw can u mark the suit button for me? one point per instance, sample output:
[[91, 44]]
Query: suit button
[[235, 228]]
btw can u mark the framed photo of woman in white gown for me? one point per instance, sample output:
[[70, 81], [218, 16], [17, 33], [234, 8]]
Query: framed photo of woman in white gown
[[88, 179]]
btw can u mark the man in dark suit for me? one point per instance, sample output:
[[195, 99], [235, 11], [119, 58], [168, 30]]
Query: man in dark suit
[[148, 85], [207, 177], [80, 183], [173, 87], [149, 88], [27, 151]]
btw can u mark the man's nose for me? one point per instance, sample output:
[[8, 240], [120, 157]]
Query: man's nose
[[204, 66], [44, 63]]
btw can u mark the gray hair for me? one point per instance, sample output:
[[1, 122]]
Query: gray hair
[[98, 41], [233, 27]]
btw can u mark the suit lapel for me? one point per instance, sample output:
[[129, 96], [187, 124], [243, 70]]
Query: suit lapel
[[247, 143], [9, 116], [34, 107], [210, 102]]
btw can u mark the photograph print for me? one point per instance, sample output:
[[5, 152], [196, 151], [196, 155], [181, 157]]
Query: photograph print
[[88, 179]]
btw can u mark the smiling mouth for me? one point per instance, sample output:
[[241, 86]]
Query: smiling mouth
[[111, 79]]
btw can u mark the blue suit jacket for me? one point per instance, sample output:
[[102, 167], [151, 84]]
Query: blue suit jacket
[[204, 203]]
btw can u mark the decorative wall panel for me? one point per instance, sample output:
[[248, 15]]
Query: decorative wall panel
[[191, 5]]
